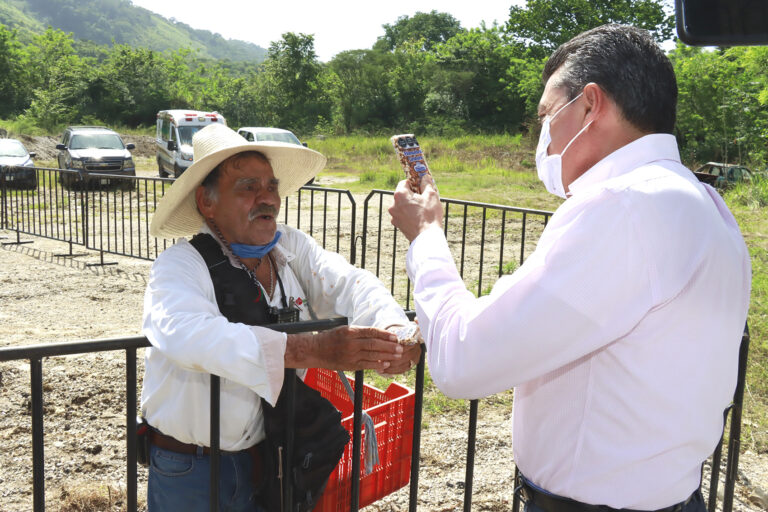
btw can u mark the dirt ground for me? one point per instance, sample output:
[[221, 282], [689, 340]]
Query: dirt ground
[[48, 296]]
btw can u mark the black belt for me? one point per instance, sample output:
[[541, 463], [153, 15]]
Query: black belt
[[554, 503]]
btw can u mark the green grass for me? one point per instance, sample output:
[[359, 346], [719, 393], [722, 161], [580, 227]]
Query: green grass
[[749, 204], [486, 168], [499, 169]]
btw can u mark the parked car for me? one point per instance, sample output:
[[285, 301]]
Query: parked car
[[173, 138], [20, 172], [722, 175], [258, 134], [94, 149], [261, 133]]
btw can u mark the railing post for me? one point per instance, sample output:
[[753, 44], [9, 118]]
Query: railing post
[[3, 212], [416, 452], [353, 226], [38, 451], [83, 209], [357, 424], [472, 435], [130, 425], [214, 442], [734, 439], [287, 462]]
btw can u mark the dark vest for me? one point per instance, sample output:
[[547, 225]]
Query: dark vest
[[239, 299]]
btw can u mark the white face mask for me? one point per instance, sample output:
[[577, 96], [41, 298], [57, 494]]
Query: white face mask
[[550, 167]]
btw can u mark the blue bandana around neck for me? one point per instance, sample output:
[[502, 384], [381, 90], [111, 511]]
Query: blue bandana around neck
[[255, 251]]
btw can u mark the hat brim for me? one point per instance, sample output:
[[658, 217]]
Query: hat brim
[[177, 215]]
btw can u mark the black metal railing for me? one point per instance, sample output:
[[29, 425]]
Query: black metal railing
[[37, 353], [487, 240], [481, 259], [111, 214]]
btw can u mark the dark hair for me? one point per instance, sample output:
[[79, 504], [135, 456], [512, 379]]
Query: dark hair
[[211, 182], [628, 65]]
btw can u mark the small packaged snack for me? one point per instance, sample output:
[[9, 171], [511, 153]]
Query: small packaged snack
[[408, 334], [411, 158]]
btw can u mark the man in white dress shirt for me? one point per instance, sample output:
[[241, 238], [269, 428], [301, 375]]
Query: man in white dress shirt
[[620, 333], [230, 197]]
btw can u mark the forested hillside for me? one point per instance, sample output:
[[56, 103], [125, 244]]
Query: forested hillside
[[105, 21]]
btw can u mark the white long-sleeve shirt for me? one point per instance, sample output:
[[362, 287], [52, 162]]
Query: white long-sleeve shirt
[[620, 333], [191, 339]]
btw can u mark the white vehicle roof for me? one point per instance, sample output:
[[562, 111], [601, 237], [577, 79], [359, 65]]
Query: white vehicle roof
[[263, 129], [192, 116]]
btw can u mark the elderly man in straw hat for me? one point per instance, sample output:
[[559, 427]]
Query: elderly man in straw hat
[[229, 199]]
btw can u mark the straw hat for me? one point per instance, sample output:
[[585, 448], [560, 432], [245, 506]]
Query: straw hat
[[177, 214]]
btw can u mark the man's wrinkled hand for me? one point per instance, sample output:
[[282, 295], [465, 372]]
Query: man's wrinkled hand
[[411, 357], [414, 212], [357, 348]]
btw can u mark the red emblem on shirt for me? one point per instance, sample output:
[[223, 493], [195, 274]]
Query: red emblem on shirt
[[299, 301]]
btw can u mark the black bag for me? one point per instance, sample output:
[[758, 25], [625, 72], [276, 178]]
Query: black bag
[[318, 445]]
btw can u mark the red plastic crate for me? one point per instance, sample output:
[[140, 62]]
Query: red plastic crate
[[392, 413]]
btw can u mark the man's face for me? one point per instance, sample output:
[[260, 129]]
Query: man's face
[[563, 127], [566, 124], [248, 202]]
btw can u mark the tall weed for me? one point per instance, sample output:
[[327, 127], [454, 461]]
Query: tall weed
[[752, 194]]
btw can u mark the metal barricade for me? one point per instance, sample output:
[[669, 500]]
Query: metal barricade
[[116, 220], [36, 353]]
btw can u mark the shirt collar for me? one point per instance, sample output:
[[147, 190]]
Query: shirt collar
[[643, 151], [281, 253]]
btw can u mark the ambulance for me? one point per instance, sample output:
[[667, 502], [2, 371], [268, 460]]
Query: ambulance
[[175, 129]]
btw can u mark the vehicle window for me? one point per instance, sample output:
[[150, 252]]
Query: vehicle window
[[165, 129], [249, 137], [97, 140], [279, 137], [715, 171], [12, 148], [186, 133]]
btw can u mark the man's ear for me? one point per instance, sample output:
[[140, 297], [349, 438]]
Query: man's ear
[[595, 100], [204, 204]]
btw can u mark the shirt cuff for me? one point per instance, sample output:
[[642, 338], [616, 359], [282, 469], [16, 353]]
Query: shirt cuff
[[272, 344], [429, 244]]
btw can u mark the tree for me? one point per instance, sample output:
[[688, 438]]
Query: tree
[[129, 87], [721, 94], [13, 88], [427, 28], [360, 91], [474, 84], [289, 83], [59, 80], [543, 25]]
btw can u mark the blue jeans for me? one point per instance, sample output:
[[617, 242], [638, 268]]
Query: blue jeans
[[695, 505], [180, 481]]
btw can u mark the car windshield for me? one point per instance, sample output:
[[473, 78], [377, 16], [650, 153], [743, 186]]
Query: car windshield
[[186, 133], [12, 148], [278, 137], [96, 141]]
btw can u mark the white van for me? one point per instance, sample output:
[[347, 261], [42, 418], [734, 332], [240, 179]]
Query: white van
[[175, 129]]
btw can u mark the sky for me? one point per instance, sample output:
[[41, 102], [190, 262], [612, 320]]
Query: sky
[[337, 25]]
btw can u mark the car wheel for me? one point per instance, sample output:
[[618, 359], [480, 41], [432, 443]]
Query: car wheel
[[176, 171], [161, 170]]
